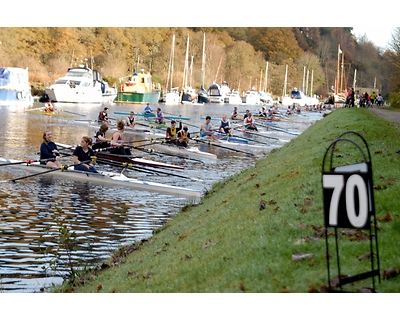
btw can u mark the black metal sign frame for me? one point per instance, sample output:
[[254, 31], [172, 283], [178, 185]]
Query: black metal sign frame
[[349, 203]]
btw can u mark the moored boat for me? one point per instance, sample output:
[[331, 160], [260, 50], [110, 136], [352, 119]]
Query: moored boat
[[299, 98], [217, 93], [138, 89], [251, 97], [14, 87], [105, 178], [233, 97], [81, 85], [202, 96]]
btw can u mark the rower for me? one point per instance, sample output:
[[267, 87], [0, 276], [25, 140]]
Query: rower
[[83, 154], [171, 133], [103, 116], [100, 138], [116, 140], [225, 126], [249, 122], [206, 130], [48, 107], [160, 116], [148, 109], [49, 154], [130, 120], [183, 137]]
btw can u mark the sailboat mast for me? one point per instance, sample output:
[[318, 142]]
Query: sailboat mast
[[171, 64], [203, 61], [172, 59], [185, 71], [284, 85], [266, 78]]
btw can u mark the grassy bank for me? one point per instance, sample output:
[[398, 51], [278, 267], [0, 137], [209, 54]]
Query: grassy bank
[[243, 235]]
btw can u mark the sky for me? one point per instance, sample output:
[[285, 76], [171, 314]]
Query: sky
[[379, 34], [158, 13]]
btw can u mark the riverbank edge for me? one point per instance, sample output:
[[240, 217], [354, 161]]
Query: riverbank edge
[[158, 240]]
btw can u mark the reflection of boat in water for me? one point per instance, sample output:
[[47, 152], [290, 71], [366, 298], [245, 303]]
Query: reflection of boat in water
[[81, 85], [14, 87], [298, 97], [138, 89]]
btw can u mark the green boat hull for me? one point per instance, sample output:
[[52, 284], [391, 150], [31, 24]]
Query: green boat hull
[[135, 97]]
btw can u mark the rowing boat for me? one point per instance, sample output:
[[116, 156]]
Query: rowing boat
[[51, 114], [151, 115], [191, 152], [127, 159], [107, 178]]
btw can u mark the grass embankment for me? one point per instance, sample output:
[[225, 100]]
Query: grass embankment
[[229, 244]]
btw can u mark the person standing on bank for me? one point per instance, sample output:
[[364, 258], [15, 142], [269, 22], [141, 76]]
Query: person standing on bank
[[49, 154], [84, 156]]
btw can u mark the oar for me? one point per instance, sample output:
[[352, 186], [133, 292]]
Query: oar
[[223, 147], [152, 151], [279, 129], [257, 134], [140, 169], [62, 168], [78, 114], [19, 162], [232, 135]]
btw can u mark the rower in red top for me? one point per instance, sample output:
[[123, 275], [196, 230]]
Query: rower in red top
[[249, 122]]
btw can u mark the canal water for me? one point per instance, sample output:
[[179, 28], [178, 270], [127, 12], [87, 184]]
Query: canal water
[[34, 212]]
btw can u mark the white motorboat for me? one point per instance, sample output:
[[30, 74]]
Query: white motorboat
[[266, 97], [171, 97], [14, 87], [217, 93], [251, 97], [103, 177], [233, 97], [299, 98], [81, 85]]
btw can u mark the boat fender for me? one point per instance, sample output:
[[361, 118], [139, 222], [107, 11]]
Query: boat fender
[[122, 88], [19, 95]]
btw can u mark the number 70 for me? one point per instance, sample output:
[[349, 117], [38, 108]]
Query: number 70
[[337, 183]]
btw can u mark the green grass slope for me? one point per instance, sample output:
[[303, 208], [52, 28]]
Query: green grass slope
[[244, 233]]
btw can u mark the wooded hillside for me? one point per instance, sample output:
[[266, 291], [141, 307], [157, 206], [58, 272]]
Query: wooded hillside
[[236, 55]]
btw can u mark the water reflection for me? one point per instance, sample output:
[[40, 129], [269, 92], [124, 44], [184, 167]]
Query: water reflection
[[102, 218]]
